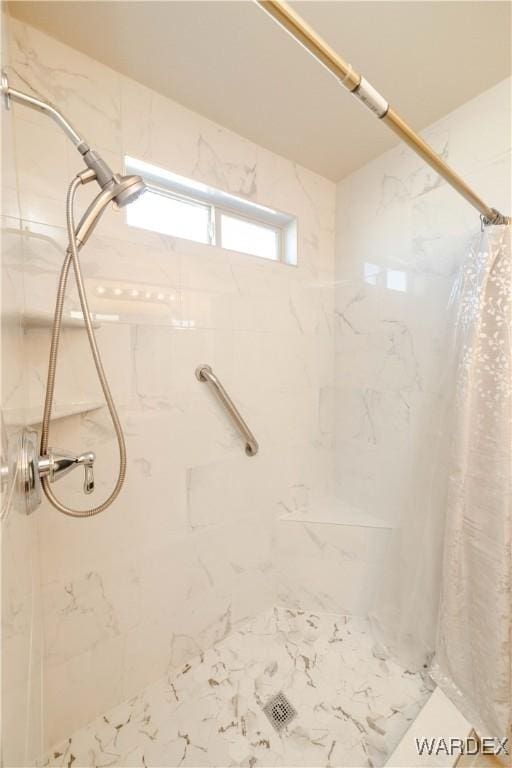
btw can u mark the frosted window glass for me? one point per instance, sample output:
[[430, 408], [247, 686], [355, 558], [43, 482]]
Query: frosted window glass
[[244, 236], [396, 280], [171, 216], [371, 272]]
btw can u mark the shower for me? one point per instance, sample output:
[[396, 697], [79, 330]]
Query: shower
[[49, 466], [298, 412]]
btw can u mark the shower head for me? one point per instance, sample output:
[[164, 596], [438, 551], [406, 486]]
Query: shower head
[[128, 189], [125, 189], [121, 190]]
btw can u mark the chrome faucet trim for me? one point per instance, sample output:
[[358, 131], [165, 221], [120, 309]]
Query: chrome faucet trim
[[56, 465], [23, 466]]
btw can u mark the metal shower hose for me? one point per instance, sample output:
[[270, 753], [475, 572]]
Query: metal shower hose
[[72, 256]]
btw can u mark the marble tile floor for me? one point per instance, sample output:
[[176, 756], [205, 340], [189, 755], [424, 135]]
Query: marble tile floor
[[353, 707]]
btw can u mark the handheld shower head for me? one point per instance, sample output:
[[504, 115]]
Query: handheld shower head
[[122, 190], [125, 189], [128, 189]]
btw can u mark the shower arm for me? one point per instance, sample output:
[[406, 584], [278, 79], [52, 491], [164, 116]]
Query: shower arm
[[11, 94], [104, 174], [292, 23]]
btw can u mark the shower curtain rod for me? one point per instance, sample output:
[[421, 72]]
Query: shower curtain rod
[[289, 20]]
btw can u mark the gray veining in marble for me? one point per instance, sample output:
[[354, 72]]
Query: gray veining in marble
[[353, 706]]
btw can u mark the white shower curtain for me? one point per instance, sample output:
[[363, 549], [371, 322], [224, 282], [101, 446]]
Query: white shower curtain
[[473, 662], [447, 589]]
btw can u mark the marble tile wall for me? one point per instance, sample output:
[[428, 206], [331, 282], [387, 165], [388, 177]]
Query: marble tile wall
[[328, 567], [187, 551], [401, 234], [21, 621]]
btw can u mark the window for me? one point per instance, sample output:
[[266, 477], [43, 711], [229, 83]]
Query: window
[[238, 234], [174, 205], [396, 280], [171, 216]]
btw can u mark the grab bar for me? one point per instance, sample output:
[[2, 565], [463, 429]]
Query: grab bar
[[204, 373]]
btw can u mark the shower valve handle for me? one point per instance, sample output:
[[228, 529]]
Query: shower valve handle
[[56, 465], [89, 476]]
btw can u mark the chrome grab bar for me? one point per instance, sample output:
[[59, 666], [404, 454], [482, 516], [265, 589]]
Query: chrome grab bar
[[204, 373]]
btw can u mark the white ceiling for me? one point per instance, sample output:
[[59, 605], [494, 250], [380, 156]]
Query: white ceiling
[[231, 62]]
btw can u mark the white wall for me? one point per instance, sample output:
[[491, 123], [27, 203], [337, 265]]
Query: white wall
[[186, 550]]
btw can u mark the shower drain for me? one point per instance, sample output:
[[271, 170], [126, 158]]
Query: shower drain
[[279, 711]]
